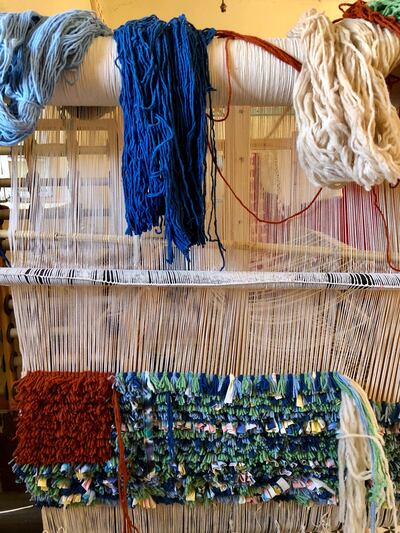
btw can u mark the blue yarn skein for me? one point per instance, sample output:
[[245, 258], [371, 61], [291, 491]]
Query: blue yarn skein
[[34, 52], [164, 92]]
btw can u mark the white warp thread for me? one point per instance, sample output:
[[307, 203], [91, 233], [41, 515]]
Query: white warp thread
[[348, 129], [257, 78]]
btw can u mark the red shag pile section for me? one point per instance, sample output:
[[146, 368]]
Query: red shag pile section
[[64, 417]]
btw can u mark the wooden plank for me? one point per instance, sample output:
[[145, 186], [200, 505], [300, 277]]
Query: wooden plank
[[58, 124], [237, 173], [61, 150], [263, 144]]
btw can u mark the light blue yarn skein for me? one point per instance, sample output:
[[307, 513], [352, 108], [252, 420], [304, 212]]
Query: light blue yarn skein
[[34, 52]]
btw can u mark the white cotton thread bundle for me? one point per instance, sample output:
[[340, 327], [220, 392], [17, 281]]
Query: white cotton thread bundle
[[256, 77], [348, 129]]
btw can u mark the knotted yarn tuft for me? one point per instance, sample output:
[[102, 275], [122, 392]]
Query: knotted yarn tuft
[[34, 52], [164, 93]]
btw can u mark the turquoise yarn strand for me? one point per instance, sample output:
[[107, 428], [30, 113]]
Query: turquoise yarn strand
[[34, 52]]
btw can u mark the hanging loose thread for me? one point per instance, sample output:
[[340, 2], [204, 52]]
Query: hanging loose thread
[[254, 215], [123, 477]]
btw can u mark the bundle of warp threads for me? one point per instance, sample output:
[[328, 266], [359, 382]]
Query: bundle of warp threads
[[164, 92], [202, 438], [34, 52], [348, 128]]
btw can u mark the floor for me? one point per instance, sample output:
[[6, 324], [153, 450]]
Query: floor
[[26, 521]]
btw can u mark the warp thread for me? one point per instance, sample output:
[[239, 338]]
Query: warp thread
[[164, 92], [34, 52], [357, 10], [284, 56]]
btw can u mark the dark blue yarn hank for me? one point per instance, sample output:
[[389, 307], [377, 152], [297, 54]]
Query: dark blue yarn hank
[[164, 93]]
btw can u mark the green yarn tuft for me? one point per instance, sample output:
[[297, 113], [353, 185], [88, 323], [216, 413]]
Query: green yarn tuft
[[388, 8]]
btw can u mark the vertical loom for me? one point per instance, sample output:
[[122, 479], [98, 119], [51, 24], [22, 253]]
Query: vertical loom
[[312, 294]]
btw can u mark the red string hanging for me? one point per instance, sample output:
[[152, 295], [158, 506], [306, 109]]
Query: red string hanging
[[283, 56], [253, 214], [123, 477]]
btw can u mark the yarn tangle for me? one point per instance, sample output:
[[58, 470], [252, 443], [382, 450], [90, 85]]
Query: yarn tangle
[[34, 52], [164, 92]]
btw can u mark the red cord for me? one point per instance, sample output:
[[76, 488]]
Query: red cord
[[254, 215], [386, 228], [283, 56], [129, 526], [266, 45]]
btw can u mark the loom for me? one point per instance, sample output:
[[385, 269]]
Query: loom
[[316, 293]]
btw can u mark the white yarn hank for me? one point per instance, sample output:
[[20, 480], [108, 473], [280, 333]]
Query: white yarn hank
[[348, 129]]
